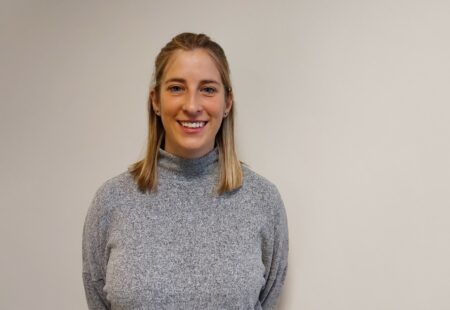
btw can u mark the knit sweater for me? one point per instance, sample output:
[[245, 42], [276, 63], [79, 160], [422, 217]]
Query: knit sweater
[[184, 246]]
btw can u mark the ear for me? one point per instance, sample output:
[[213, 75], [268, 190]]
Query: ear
[[229, 103], [155, 102]]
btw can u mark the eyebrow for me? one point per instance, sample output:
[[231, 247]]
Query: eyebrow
[[180, 80], [209, 82], [175, 80]]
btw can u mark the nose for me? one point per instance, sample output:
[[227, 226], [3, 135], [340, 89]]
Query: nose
[[192, 105]]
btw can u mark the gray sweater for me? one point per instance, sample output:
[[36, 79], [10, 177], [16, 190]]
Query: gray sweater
[[184, 246]]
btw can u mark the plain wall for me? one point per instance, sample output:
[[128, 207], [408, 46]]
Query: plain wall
[[343, 104]]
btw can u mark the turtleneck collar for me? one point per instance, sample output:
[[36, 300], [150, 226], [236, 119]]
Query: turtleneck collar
[[189, 166]]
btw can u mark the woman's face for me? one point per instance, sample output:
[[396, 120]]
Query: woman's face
[[191, 103]]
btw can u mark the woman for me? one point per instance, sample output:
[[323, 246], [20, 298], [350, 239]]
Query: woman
[[187, 227]]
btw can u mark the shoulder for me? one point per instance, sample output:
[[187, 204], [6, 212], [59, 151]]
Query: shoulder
[[116, 186], [257, 182], [111, 192], [262, 189], [265, 197]]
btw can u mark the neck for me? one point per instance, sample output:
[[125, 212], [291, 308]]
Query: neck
[[191, 166]]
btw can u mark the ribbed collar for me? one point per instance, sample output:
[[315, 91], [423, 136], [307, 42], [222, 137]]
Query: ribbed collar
[[188, 166]]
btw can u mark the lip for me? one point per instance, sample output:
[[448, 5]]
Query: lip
[[192, 130]]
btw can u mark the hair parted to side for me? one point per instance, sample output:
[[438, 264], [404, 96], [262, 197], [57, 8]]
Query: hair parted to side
[[145, 171]]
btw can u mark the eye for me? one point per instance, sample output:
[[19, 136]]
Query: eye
[[175, 89], [209, 90]]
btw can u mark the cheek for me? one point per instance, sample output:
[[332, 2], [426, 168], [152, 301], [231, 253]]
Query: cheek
[[217, 109], [168, 113], [169, 107]]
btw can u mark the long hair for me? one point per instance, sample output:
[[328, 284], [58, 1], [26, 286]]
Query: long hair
[[145, 171]]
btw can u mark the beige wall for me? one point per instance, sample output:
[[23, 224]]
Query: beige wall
[[343, 104]]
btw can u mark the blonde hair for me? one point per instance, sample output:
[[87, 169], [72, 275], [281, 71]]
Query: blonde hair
[[145, 171]]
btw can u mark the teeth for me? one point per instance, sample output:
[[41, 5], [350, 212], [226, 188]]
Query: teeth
[[193, 124]]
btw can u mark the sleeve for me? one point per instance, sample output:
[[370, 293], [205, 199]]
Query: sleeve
[[94, 254], [275, 256]]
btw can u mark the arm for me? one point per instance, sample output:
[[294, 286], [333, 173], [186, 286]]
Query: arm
[[275, 257], [94, 254], [95, 296]]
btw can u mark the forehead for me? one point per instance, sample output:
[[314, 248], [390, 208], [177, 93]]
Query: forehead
[[194, 64]]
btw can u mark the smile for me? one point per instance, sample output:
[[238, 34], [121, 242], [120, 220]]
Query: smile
[[192, 124]]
